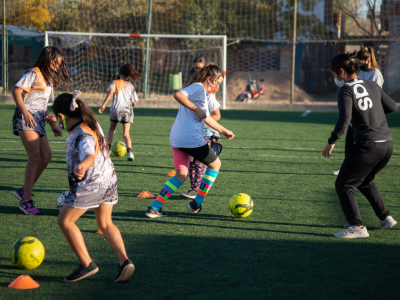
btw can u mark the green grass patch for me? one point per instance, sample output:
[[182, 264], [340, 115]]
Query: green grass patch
[[284, 250]]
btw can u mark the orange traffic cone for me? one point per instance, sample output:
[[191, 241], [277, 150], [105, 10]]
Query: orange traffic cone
[[24, 282], [171, 174], [145, 194], [100, 232]]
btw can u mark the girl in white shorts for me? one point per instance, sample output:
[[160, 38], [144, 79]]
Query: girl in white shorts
[[93, 184]]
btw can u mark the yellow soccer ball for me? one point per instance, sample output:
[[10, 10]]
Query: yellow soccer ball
[[241, 205], [27, 253], [119, 149]]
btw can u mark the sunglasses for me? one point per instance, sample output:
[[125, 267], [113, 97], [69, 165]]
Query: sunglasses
[[59, 120]]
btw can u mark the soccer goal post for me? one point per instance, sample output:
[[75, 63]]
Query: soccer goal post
[[93, 59]]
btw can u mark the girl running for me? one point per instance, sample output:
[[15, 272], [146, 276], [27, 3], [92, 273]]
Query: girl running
[[197, 168], [369, 69], [93, 184], [32, 95], [364, 104], [124, 99], [186, 139]]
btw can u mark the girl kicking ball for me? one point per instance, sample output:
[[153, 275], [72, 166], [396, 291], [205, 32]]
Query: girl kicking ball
[[93, 184], [186, 139]]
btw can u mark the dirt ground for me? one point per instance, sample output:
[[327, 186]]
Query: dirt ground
[[276, 87]]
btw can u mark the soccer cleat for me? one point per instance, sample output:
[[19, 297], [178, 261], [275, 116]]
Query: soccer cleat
[[192, 206], [130, 156], [82, 272], [125, 271], [353, 232], [389, 222], [19, 194], [28, 207], [191, 194], [336, 173], [152, 213]]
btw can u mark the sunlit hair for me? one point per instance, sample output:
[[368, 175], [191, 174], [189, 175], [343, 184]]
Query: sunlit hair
[[209, 70], [345, 62], [368, 52], [62, 106], [193, 72], [129, 71], [47, 56]]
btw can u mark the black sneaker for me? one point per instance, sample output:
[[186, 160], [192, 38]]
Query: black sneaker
[[192, 206], [125, 271], [191, 194], [82, 272], [152, 213]]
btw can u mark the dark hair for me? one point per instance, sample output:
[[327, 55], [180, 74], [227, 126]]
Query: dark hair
[[193, 72], [62, 106], [345, 62], [129, 71], [368, 52], [199, 59], [209, 70], [46, 57]]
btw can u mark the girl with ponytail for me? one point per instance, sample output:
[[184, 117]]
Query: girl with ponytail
[[187, 140], [121, 110], [93, 184], [362, 105], [369, 68]]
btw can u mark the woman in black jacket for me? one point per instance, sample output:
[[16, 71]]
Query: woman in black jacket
[[362, 105]]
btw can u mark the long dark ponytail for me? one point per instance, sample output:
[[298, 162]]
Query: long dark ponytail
[[62, 105]]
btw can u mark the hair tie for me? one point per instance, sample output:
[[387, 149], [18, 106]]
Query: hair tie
[[351, 59], [73, 103]]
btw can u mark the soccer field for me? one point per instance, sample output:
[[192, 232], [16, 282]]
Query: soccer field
[[284, 250]]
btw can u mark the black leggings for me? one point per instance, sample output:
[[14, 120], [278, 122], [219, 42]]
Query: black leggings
[[361, 164]]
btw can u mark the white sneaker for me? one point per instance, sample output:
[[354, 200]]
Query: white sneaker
[[353, 232], [130, 156], [389, 222], [336, 173]]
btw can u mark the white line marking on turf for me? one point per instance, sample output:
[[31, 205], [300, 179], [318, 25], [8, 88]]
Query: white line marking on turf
[[306, 113]]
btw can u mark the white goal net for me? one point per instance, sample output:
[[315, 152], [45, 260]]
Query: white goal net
[[94, 59]]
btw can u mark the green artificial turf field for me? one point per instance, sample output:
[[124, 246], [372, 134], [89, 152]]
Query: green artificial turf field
[[284, 250]]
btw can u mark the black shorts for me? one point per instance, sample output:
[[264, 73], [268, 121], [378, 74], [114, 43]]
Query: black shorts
[[116, 121], [203, 154]]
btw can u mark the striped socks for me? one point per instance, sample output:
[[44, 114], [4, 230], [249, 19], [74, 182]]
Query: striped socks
[[205, 185], [167, 190]]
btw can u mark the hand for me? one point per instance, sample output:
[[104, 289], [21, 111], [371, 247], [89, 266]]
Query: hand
[[101, 109], [328, 150], [56, 130], [228, 134], [50, 119], [79, 172], [200, 114], [29, 120]]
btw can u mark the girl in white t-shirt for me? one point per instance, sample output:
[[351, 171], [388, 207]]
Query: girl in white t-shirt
[[186, 138], [121, 110], [197, 168]]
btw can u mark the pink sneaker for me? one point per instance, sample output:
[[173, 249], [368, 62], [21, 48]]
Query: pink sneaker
[[28, 207]]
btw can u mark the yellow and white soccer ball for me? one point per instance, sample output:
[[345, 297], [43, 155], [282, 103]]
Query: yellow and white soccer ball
[[118, 149], [241, 205], [27, 253]]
